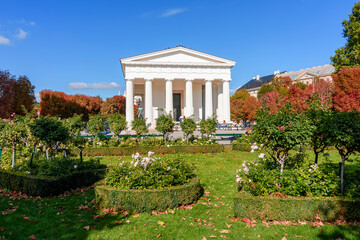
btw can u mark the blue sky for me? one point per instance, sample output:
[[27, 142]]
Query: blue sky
[[59, 43]]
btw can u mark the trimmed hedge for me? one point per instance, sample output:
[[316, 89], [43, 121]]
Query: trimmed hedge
[[147, 200], [120, 151], [43, 187], [295, 208], [244, 147]]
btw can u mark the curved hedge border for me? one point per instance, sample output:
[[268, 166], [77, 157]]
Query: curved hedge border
[[120, 151], [147, 200], [244, 147], [296, 208], [43, 187]]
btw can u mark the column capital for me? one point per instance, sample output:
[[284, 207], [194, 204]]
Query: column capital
[[129, 79], [226, 80], [148, 79], [208, 80], [169, 79], [189, 79]]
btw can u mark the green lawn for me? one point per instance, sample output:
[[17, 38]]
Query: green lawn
[[66, 217]]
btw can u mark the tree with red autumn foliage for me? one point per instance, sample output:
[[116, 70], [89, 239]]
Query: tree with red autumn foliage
[[271, 102], [347, 90], [16, 94], [236, 103], [298, 98], [116, 104]]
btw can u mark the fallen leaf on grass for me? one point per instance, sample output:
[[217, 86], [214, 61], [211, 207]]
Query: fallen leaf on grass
[[135, 216], [160, 223], [7, 211], [159, 235], [98, 216], [212, 236], [207, 193], [87, 228], [32, 237], [225, 231], [284, 238]]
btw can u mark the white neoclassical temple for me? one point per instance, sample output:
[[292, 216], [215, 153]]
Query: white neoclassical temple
[[179, 80]]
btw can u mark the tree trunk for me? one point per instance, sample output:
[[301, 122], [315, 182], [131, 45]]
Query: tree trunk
[[281, 168], [51, 151], [316, 157], [342, 174], [13, 162], [47, 153]]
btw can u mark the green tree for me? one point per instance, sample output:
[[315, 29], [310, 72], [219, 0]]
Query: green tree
[[349, 55], [50, 131], [165, 125], [75, 124], [117, 123], [188, 126], [95, 125], [343, 133], [208, 126], [139, 126], [12, 134], [281, 132]]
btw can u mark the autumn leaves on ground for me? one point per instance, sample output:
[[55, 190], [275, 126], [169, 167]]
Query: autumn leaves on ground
[[76, 216]]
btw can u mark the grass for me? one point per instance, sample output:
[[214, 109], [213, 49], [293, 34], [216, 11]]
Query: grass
[[67, 217]]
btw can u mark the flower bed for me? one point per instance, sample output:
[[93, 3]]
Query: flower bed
[[42, 186], [147, 200], [280, 207], [120, 151], [148, 183]]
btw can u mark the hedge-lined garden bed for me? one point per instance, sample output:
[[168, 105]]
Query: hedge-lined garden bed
[[295, 208], [147, 200], [43, 187], [120, 151]]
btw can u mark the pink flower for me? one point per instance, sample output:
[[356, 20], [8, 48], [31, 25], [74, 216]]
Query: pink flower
[[281, 128], [290, 125]]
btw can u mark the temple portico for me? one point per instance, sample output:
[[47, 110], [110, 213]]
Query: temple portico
[[179, 81]]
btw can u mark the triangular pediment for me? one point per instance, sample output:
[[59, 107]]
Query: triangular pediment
[[179, 55]]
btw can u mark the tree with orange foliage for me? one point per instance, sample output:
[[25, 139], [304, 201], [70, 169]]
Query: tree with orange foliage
[[236, 103], [116, 104], [249, 108], [271, 102], [298, 98], [347, 90]]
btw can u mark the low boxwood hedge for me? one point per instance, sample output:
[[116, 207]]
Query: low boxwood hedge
[[147, 200], [296, 208], [43, 187], [244, 147], [120, 151]]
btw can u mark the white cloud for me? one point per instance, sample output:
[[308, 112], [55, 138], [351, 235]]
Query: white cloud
[[82, 85], [21, 35], [172, 12], [4, 40], [32, 23]]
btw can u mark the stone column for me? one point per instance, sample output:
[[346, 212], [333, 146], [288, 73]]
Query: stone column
[[226, 100], [208, 99], [148, 101], [169, 106], [129, 101], [189, 103], [220, 105]]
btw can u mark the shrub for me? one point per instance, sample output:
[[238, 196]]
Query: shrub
[[208, 126], [149, 173]]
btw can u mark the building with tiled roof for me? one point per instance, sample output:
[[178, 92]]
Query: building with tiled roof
[[306, 76]]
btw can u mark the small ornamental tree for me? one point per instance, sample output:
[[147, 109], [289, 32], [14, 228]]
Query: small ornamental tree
[[317, 119], [12, 134], [117, 123], [50, 131], [281, 132], [208, 126], [188, 126], [165, 125], [343, 133], [139, 126], [95, 125], [75, 124]]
